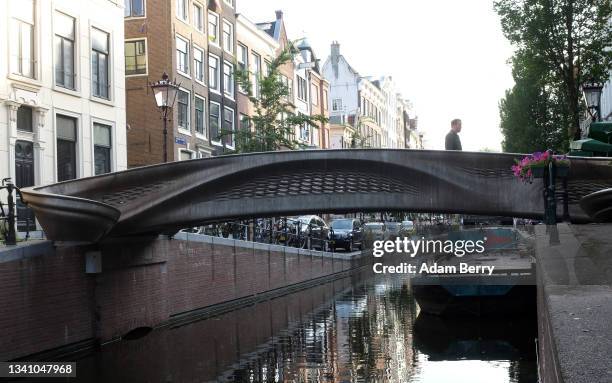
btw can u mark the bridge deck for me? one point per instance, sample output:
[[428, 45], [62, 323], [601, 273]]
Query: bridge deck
[[170, 196]]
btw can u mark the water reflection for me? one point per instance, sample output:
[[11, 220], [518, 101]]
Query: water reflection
[[364, 329]]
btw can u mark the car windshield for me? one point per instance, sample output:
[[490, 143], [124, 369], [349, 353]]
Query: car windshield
[[407, 223], [342, 224], [392, 225], [374, 226], [304, 220]]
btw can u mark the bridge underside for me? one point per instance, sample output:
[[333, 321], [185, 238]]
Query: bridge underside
[[170, 196]]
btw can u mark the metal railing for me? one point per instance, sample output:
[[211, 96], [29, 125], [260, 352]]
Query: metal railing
[[8, 220]]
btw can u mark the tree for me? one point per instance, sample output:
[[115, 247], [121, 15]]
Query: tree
[[531, 116], [272, 127], [569, 41]]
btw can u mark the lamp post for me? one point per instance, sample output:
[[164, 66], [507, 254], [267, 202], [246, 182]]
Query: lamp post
[[165, 91], [592, 96]]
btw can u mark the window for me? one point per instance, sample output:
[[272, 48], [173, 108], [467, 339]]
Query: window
[[22, 38], [305, 132], [213, 72], [228, 126], [135, 57], [213, 28], [99, 63], [301, 88], [198, 17], [24, 119], [102, 148], [288, 84], [337, 105], [214, 112], [181, 9], [198, 64], [66, 147], [245, 122], [182, 55], [228, 37], [183, 109], [200, 113], [256, 74], [228, 79], [64, 50], [229, 2], [134, 8], [185, 155], [243, 62], [325, 99], [314, 96]]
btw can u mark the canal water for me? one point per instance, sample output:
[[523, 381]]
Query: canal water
[[362, 328]]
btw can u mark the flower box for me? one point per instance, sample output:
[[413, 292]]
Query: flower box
[[534, 165]]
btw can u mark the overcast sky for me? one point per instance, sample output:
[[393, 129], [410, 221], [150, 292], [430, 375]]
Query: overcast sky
[[448, 57]]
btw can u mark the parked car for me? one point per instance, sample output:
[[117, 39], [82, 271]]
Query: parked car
[[378, 230], [393, 229], [407, 228], [347, 233], [315, 228]]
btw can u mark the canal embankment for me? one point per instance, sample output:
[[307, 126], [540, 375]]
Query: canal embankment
[[574, 268], [68, 297]]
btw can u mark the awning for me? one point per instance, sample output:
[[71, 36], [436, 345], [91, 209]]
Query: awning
[[601, 131], [591, 145]]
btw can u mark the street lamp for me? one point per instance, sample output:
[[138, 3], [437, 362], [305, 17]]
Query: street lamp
[[592, 95], [165, 94]]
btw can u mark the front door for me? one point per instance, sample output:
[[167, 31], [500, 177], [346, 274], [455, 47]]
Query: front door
[[24, 177]]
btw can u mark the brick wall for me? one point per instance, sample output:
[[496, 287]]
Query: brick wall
[[47, 300]]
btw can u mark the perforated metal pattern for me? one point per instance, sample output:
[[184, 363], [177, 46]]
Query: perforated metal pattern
[[329, 182], [121, 197]]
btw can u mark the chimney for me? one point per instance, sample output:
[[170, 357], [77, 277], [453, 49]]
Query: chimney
[[335, 57], [279, 15]]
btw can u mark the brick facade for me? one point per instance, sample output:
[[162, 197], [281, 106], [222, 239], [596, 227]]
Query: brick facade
[[160, 27], [48, 301]]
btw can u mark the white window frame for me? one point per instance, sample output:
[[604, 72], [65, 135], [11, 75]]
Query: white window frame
[[302, 83], [314, 96], [202, 18], [36, 51], [232, 80], [146, 56], [204, 65], [110, 65], [185, 150], [217, 31], [113, 151], [337, 105], [216, 89], [231, 147], [204, 135], [181, 129], [231, 36], [257, 73], [80, 168], [187, 60], [186, 10], [229, 2], [77, 58], [144, 12], [243, 61], [219, 122]]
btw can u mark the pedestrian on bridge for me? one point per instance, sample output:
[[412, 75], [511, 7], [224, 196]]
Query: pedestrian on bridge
[[453, 142]]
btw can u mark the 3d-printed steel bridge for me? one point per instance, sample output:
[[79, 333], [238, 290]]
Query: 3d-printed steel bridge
[[170, 196]]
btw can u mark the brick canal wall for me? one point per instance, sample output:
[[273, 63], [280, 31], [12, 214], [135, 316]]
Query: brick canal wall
[[47, 300]]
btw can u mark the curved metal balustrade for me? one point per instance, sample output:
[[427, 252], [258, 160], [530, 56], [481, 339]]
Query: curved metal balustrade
[[166, 197]]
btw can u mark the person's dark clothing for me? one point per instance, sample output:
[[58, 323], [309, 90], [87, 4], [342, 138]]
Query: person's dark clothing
[[452, 142]]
